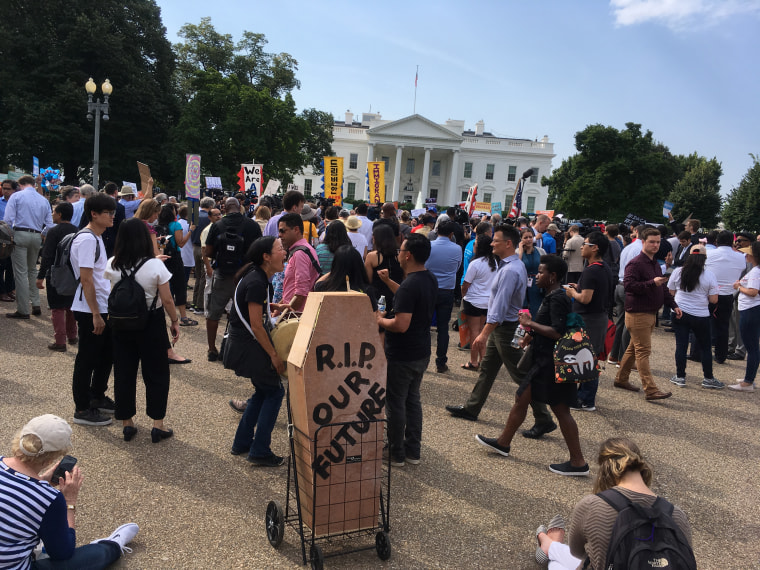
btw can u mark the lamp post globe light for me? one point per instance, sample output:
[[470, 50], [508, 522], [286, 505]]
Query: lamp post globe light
[[98, 108]]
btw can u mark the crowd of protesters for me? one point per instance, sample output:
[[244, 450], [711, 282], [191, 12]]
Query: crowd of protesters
[[254, 263]]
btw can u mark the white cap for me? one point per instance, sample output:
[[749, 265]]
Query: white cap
[[54, 432]]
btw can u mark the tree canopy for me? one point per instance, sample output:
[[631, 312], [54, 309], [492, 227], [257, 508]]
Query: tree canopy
[[47, 52], [698, 190], [613, 174], [741, 210]]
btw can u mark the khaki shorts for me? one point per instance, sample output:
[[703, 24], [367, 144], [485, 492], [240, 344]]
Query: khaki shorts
[[222, 289]]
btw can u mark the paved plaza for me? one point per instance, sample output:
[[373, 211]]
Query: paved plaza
[[200, 507]]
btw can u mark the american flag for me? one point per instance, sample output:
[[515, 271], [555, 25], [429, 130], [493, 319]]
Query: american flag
[[517, 203]]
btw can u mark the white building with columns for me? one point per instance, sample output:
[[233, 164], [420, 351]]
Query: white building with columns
[[439, 161]]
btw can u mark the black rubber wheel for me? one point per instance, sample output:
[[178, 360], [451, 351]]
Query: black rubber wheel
[[383, 545], [275, 523], [317, 558]]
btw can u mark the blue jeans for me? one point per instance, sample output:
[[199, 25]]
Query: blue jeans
[[700, 326], [254, 432], [749, 327], [404, 408], [87, 557], [444, 303], [596, 328]]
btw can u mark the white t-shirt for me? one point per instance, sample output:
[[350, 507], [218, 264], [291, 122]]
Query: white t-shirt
[[152, 274], [359, 242], [694, 302], [481, 278], [751, 281], [83, 255], [188, 259]]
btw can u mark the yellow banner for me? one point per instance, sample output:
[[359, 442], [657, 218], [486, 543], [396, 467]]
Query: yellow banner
[[334, 179], [376, 182], [484, 207]]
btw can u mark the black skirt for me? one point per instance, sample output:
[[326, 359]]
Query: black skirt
[[248, 359], [543, 387]]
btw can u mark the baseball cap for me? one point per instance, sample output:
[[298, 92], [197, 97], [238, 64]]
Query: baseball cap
[[54, 433]]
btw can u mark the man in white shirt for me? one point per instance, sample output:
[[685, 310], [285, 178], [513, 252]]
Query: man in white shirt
[[95, 357], [727, 265], [366, 228], [28, 213]]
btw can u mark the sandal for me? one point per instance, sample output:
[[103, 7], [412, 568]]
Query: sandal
[[470, 366], [187, 322]]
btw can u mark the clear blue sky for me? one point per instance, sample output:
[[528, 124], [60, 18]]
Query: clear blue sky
[[684, 69]]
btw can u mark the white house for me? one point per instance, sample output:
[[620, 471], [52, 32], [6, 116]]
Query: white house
[[440, 161]]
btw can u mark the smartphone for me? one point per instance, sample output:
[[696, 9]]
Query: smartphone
[[66, 464]]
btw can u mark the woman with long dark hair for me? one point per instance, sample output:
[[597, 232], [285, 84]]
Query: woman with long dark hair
[[384, 257], [694, 288], [749, 317], [476, 291], [347, 274], [335, 236], [530, 255], [171, 239], [249, 351], [133, 254]]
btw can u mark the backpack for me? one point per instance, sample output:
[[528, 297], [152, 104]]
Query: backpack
[[645, 537], [314, 262], [609, 340], [229, 250], [574, 358], [127, 310], [61, 272], [170, 246], [6, 240]]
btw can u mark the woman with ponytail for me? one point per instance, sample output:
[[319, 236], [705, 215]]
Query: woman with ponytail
[[623, 468]]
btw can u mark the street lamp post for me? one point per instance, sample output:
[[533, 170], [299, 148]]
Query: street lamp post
[[98, 108]]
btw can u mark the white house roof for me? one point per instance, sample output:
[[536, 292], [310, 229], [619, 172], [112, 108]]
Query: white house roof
[[416, 127]]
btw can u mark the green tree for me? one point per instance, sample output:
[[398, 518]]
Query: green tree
[[698, 191], [741, 210], [47, 52], [613, 174], [238, 107]]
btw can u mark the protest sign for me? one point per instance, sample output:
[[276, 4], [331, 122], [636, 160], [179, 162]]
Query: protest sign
[[144, 170], [272, 187], [192, 176], [376, 182], [334, 179], [496, 208]]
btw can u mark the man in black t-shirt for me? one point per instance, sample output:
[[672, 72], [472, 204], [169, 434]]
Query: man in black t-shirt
[[593, 296], [407, 348]]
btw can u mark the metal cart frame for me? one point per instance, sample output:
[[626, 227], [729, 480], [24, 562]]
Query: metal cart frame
[[276, 518]]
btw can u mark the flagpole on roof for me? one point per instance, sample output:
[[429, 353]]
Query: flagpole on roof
[[416, 75]]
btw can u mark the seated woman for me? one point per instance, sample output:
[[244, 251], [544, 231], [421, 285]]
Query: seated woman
[[250, 353], [539, 384], [623, 468], [33, 511]]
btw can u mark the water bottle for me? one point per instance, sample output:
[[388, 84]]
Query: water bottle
[[519, 332], [381, 304]]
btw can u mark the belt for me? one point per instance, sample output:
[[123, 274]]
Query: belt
[[27, 230]]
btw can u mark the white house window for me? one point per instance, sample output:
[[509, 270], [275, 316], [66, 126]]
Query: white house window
[[512, 174], [468, 170], [410, 166], [534, 177], [434, 193], [353, 161], [489, 171], [531, 204], [436, 169], [407, 198], [487, 197], [464, 195], [387, 161], [307, 186], [351, 193]]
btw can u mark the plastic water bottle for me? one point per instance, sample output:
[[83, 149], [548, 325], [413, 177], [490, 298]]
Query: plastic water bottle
[[381, 304], [519, 334]]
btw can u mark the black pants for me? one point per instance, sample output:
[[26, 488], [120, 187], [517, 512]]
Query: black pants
[[146, 347], [92, 366], [720, 319]]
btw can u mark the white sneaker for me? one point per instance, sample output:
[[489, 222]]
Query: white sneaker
[[678, 381], [739, 388], [122, 536]]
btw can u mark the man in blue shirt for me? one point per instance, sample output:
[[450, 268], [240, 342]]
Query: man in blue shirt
[[550, 244], [445, 258], [507, 295]]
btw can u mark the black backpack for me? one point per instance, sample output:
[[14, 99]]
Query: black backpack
[[61, 272], [229, 250], [127, 310], [645, 537]]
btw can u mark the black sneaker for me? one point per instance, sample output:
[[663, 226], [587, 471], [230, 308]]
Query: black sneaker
[[268, 461], [105, 405], [92, 417], [568, 470], [490, 443]]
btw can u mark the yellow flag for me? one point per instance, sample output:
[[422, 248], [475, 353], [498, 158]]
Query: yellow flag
[[376, 182], [334, 179]]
